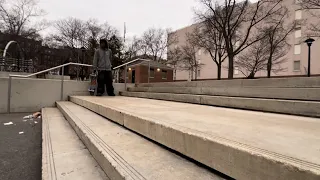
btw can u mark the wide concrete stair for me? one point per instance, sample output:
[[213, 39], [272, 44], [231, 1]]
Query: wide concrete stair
[[135, 138], [120, 153], [296, 96], [241, 144]]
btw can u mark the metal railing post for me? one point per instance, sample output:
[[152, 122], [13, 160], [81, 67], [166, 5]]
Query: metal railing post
[[62, 81], [125, 78], [9, 95], [149, 73]]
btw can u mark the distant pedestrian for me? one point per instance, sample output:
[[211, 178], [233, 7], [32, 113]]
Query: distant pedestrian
[[102, 63]]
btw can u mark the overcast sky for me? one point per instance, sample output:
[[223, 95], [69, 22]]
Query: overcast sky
[[138, 14]]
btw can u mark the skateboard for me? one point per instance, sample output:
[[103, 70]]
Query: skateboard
[[93, 84]]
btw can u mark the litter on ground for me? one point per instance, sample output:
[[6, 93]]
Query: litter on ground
[[21, 132], [7, 124], [34, 115], [36, 122]]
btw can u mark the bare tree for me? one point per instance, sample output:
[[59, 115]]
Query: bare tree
[[71, 32], [155, 42], [134, 49], [175, 59], [236, 21], [16, 18], [312, 7], [277, 29], [212, 42], [189, 60], [268, 53], [252, 60], [309, 4]]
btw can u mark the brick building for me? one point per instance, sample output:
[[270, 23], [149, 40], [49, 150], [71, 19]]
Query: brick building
[[138, 72]]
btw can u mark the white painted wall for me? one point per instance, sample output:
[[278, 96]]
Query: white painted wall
[[30, 95]]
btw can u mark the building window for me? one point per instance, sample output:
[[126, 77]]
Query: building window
[[198, 73], [151, 73], [297, 33], [164, 74], [236, 70], [298, 14], [296, 65], [297, 49]]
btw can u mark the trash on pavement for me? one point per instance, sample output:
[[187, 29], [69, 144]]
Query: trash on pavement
[[7, 124], [21, 132], [34, 115], [35, 122]]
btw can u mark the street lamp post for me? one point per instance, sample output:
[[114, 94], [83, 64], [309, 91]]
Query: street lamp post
[[309, 42]]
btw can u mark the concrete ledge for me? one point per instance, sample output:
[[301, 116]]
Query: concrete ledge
[[168, 124], [125, 155], [63, 154], [273, 82], [303, 108], [312, 94]]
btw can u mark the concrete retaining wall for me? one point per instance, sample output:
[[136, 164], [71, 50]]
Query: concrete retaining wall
[[30, 95], [312, 94], [273, 82]]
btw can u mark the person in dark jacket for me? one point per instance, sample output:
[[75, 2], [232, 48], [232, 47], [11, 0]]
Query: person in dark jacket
[[102, 63]]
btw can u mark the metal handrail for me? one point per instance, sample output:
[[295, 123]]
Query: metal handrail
[[40, 72], [126, 68]]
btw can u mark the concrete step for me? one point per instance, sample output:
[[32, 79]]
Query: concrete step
[[242, 144], [125, 155], [305, 82], [293, 107], [312, 94], [64, 156]]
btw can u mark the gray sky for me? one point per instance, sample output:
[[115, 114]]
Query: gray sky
[[138, 14]]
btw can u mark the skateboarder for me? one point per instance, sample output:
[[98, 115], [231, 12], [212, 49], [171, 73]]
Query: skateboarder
[[102, 63]]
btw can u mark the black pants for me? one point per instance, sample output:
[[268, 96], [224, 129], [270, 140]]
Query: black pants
[[105, 78]]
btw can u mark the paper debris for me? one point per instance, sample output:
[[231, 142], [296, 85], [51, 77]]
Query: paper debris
[[21, 132], [39, 117], [7, 124], [28, 117], [34, 115], [36, 122]]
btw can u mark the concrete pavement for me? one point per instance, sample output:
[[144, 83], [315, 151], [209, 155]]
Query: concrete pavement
[[241, 144], [20, 154]]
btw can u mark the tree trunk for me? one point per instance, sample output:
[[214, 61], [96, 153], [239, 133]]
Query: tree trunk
[[230, 69], [219, 71], [251, 75], [269, 67]]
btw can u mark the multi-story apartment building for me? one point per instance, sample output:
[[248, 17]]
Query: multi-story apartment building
[[297, 55]]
